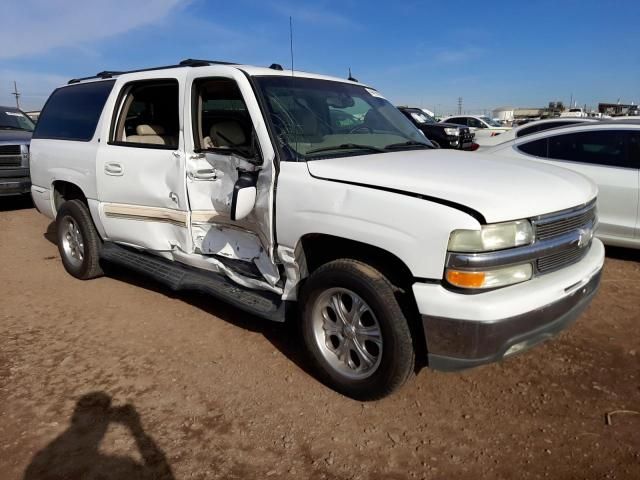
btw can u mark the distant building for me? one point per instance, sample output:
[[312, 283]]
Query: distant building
[[509, 114], [616, 109]]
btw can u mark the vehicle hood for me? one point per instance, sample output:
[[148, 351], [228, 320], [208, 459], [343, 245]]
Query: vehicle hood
[[15, 136], [499, 189]]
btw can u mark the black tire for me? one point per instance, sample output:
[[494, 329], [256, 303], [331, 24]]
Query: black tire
[[397, 357], [89, 265]]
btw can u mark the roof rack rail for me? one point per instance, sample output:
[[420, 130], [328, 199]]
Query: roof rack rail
[[189, 62]]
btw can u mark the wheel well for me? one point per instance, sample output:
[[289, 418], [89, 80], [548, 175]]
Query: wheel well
[[65, 191], [320, 249]]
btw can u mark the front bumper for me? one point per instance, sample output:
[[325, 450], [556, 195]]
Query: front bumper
[[14, 181], [487, 327]]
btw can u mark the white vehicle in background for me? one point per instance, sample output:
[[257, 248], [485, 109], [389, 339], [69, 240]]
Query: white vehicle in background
[[314, 195], [608, 152], [530, 128], [481, 125], [575, 112]]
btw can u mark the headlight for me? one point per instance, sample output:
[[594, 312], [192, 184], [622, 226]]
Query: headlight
[[498, 277], [496, 236], [452, 131]]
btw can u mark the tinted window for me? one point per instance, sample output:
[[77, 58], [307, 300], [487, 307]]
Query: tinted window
[[604, 147], [634, 150], [457, 120], [475, 123], [72, 112], [537, 148], [541, 127]]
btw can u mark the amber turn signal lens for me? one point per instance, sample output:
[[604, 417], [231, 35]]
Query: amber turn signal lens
[[466, 279]]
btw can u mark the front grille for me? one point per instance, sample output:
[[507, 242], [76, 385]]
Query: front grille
[[9, 149], [10, 156], [580, 221], [558, 260], [559, 224]]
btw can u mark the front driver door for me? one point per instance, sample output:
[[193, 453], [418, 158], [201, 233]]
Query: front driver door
[[228, 137]]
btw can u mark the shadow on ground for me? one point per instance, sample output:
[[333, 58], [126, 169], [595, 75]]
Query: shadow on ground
[[620, 253], [283, 336], [75, 453], [20, 202]]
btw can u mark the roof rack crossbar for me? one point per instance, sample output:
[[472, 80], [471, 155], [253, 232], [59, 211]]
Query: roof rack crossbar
[[190, 62]]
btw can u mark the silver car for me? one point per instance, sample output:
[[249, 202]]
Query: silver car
[[608, 152]]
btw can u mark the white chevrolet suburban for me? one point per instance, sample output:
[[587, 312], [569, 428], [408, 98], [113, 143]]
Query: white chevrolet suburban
[[268, 189]]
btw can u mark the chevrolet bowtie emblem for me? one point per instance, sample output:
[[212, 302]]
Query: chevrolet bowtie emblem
[[584, 237]]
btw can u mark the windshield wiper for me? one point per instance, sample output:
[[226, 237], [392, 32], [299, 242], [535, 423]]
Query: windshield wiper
[[347, 146], [410, 143]]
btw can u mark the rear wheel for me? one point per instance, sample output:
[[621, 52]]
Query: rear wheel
[[78, 240], [355, 331]]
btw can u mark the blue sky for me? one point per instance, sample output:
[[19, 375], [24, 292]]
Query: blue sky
[[428, 53]]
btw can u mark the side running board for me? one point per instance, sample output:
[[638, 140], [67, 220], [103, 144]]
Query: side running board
[[180, 277]]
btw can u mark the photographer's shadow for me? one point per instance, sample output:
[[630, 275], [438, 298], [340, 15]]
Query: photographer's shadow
[[74, 454]]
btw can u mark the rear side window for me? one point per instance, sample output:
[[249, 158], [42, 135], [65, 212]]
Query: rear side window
[[458, 121], [537, 148], [72, 112], [603, 147]]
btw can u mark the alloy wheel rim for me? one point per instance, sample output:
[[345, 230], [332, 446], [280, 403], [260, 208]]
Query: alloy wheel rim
[[347, 333], [72, 241]]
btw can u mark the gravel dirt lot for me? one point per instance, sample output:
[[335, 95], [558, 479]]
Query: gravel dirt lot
[[179, 386]]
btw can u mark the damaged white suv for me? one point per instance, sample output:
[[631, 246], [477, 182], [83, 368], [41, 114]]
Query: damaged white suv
[[266, 189]]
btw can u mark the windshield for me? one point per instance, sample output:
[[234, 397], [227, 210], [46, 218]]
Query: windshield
[[422, 117], [15, 120], [315, 119], [490, 121]]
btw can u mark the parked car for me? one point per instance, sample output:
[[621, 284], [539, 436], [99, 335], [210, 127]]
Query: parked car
[[443, 135], [15, 134], [531, 127], [482, 126], [608, 152], [574, 112], [231, 180]]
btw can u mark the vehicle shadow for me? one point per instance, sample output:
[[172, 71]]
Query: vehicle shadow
[[284, 337], [75, 453], [21, 202], [620, 253]]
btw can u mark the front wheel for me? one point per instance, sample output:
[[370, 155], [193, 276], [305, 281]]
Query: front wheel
[[355, 331]]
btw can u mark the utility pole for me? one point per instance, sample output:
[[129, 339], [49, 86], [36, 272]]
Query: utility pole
[[459, 105], [16, 94]]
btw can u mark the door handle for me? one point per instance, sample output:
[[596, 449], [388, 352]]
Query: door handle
[[113, 168], [204, 174]]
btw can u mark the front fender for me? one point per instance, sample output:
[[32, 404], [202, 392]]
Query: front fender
[[413, 229]]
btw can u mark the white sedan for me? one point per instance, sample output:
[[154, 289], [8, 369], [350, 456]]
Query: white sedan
[[529, 128], [484, 127], [608, 152]]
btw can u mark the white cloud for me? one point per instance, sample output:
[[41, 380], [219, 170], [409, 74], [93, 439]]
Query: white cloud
[[34, 88], [458, 55], [36, 26], [315, 15]]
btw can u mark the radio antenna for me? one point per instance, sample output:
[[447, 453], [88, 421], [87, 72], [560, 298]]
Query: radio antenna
[[291, 41]]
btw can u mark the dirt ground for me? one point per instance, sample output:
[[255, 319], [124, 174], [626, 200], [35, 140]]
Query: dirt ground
[[180, 386]]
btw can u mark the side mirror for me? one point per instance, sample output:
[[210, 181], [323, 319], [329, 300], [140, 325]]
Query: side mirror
[[244, 195]]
